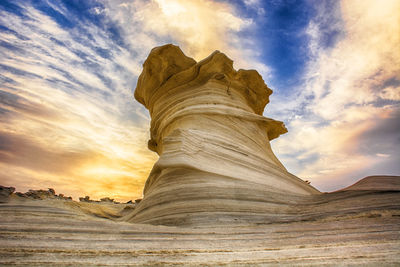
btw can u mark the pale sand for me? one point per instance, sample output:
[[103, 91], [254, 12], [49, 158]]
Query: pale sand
[[355, 227]]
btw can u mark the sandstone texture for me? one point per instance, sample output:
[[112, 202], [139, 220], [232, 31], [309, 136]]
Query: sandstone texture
[[344, 228], [217, 196], [216, 162], [382, 183]]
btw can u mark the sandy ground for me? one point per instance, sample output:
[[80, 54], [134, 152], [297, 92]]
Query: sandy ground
[[65, 233]]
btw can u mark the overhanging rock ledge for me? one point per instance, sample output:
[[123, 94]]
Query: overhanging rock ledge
[[216, 162]]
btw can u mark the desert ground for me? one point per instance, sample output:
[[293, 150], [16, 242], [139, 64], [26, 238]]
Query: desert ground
[[359, 225]]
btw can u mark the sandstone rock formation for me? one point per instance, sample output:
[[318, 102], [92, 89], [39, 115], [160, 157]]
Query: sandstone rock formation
[[40, 194], [376, 183], [217, 173], [5, 193], [358, 227], [216, 161]]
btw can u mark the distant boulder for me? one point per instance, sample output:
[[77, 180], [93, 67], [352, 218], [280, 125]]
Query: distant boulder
[[107, 199], [39, 194], [85, 199], [61, 196], [5, 193]]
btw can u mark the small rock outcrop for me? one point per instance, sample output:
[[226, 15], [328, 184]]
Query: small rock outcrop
[[108, 200], [42, 194], [5, 193], [102, 200], [213, 142], [85, 199], [61, 196]]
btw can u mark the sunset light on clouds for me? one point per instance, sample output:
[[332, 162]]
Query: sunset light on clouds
[[68, 69]]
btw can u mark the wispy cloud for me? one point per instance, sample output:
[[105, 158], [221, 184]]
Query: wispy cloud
[[198, 27], [350, 89], [68, 117]]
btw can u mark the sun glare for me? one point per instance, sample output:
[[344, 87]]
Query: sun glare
[[171, 8]]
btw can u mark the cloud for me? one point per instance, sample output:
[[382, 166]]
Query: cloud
[[390, 93], [382, 155], [22, 151], [67, 107], [344, 96], [198, 27], [68, 116], [255, 5], [353, 70]]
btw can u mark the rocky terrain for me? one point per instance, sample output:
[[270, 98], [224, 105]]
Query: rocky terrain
[[351, 227], [217, 195]]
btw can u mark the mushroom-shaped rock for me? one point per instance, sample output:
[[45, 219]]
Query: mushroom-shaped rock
[[214, 144]]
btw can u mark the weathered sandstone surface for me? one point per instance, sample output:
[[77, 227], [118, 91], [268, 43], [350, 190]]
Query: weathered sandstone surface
[[345, 228], [217, 196], [216, 162]]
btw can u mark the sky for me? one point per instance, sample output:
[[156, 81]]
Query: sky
[[68, 70]]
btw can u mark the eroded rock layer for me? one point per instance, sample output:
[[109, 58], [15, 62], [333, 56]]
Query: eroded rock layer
[[358, 227], [213, 142]]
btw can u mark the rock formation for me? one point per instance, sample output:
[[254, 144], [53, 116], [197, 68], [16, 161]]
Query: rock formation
[[41, 194], [376, 183], [216, 161], [359, 225], [5, 193], [217, 173]]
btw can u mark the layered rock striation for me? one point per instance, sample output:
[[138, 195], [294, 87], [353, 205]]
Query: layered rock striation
[[216, 162]]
